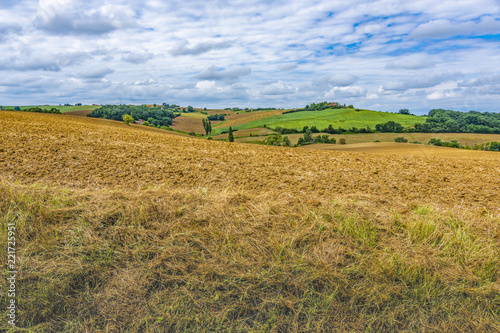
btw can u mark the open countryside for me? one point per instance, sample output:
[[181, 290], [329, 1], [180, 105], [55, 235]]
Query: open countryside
[[160, 224]]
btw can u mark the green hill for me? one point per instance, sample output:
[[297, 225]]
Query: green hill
[[345, 118]]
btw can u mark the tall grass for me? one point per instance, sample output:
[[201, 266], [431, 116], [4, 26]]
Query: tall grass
[[189, 260]]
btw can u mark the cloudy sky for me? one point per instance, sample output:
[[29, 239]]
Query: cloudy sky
[[382, 55]]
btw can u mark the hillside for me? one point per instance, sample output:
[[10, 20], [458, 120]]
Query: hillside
[[132, 228], [345, 118]]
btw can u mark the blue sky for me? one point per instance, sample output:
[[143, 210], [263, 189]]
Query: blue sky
[[382, 55]]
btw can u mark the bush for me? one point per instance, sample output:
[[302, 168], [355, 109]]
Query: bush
[[401, 139], [342, 141], [192, 133], [416, 142]]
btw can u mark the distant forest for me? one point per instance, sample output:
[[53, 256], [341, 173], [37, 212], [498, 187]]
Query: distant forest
[[448, 121], [161, 115]]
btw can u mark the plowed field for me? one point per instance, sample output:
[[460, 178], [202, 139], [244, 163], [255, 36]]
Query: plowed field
[[83, 152]]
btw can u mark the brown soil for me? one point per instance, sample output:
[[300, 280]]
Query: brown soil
[[243, 118], [188, 125], [96, 153], [81, 113]]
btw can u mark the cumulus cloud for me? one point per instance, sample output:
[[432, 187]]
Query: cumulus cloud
[[491, 79], [278, 88], [28, 60], [66, 17], [437, 95], [288, 66], [325, 82], [137, 57], [97, 73], [424, 81], [145, 82], [346, 92], [213, 73], [185, 48], [410, 64], [443, 28]]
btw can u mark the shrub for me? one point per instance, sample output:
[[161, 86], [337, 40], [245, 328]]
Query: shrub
[[342, 141], [192, 133], [401, 139]]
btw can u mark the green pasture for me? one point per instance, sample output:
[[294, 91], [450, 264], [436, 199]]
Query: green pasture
[[345, 118]]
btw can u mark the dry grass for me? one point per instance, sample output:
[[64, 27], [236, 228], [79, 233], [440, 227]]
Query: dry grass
[[167, 259]]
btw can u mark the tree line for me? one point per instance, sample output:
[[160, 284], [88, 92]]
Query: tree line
[[35, 109], [157, 115]]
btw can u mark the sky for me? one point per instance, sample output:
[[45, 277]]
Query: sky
[[381, 55]]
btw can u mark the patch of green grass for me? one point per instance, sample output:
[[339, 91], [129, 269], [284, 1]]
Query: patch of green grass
[[345, 118]]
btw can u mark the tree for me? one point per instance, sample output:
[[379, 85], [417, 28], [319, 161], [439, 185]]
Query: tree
[[230, 135], [404, 111], [286, 142], [207, 125], [127, 119], [17, 108], [190, 108]]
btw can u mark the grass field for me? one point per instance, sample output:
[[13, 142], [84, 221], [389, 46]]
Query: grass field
[[345, 118], [59, 107], [130, 228]]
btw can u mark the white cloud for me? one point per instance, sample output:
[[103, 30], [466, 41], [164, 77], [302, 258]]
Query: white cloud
[[253, 53], [278, 88], [443, 28], [218, 74]]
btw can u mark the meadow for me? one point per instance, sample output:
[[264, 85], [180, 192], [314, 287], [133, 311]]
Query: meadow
[[136, 229], [345, 118]]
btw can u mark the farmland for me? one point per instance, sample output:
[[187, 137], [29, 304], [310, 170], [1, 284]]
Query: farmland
[[468, 139], [135, 228], [61, 108], [345, 118]]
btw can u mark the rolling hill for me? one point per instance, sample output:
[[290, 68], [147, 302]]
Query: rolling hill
[[132, 228]]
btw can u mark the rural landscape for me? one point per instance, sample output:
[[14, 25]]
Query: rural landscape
[[233, 166], [136, 227]]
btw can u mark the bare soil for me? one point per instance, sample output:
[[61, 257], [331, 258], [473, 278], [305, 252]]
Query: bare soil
[[90, 153]]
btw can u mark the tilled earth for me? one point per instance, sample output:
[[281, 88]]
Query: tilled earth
[[95, 153]]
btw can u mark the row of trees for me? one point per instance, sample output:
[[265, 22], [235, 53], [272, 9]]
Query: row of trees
[[449, 121], [37, 109], [216, 117], [156, 115]]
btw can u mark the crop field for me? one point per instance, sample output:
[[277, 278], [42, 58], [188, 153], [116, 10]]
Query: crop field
[[345, 118], [189, 122], [242, 119], [406, 149], [132, 228], [56, 143], [247, 134], [468, 139], [81, 113]]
